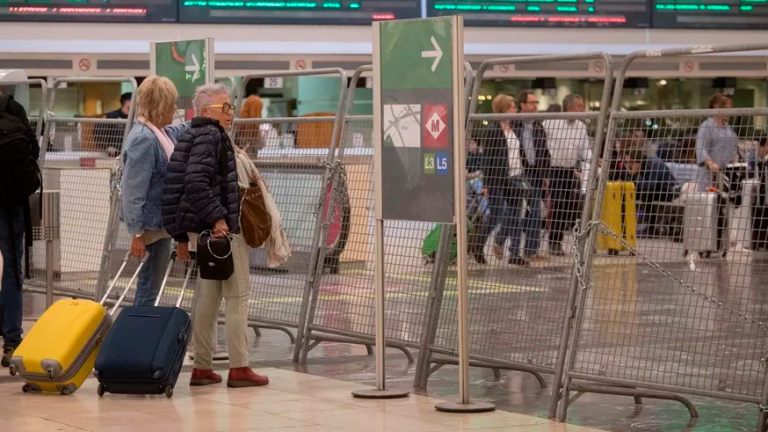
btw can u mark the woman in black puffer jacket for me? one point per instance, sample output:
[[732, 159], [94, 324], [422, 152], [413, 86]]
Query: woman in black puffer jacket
[[193, 202]]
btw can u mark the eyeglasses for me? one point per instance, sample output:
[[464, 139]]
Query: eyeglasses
[[534, 102], [226, 108]]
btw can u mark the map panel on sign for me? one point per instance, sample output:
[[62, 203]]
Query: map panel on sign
[[435, 126], [402, 125]]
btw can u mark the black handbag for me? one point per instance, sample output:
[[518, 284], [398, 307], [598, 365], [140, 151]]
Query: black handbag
[[214, 256]]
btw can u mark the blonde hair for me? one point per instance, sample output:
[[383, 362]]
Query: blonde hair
[[502, 103], [156, 97]]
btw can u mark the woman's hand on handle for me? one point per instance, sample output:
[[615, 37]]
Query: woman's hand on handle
[[138, 247], [220, 229], [712, 166], [182, 251]]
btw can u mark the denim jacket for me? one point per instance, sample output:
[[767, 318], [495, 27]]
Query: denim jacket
[[144, 167]]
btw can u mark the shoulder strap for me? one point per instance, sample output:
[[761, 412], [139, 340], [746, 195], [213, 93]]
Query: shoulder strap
[[223, 173]]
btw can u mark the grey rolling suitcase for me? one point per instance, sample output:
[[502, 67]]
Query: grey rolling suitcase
[[704, 224]]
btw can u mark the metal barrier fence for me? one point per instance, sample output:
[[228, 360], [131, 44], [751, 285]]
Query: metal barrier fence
[[646, 320], [342, 309], [516, 293], [300, 181], [681, 313], [75, 162]]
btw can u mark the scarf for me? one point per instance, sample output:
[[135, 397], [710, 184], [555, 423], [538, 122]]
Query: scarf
[[278, 249], [165, 142]]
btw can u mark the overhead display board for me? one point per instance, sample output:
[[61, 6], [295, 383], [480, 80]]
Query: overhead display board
[[355, 12], [711, 14], [89, 10], [546, 13]]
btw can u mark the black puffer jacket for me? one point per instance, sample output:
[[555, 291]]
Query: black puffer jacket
[[192, 197]]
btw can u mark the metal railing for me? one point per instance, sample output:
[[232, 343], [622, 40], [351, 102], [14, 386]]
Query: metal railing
[[666, 320], [612, 304]]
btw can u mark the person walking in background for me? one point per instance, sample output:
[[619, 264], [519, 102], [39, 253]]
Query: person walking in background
[[110, 136], [716, 144], [194, 196], [148, 149], [248, 136], [501, 163], [569, 145], [19, 178], [536, 166]]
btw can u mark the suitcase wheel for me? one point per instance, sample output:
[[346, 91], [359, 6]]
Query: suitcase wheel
[[685, 253], [25, 388], [169, 392], [12, 370], [101, 390], [66, 391], [705, 254]]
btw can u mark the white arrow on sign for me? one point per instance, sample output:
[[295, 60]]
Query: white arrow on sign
[[194, 68], [437, 54]]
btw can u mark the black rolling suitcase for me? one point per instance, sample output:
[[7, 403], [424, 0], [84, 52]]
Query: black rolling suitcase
[[144, 350]]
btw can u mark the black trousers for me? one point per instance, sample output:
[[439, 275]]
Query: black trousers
[[565, 196]]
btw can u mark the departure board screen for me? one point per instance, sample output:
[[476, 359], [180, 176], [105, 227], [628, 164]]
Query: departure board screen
[[89, 10], [726, 14], [359, 12], [546, 13]]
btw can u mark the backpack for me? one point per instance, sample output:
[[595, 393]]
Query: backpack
[[20, 175]]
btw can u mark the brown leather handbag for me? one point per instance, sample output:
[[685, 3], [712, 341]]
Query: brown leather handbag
[[255, 220]]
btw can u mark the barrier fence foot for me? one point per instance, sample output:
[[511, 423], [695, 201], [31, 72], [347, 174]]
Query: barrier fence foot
[[472, 407], [380, 394]]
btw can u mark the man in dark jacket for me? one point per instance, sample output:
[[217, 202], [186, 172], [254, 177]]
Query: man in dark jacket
[[14, 220], [110, 136], [536, 166], [202, 194], [654, 182]]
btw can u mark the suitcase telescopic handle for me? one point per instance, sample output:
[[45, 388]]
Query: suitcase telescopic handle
[[187, 277], [128, 286]]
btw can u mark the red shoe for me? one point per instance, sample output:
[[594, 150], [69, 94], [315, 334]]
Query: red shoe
[[202, 377], [245, 377]]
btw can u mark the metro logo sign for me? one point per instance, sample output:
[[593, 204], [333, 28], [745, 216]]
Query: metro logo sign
[[434, 126]]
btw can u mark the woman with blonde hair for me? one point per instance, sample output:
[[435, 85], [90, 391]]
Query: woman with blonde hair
[[146, 153], [248, 136]]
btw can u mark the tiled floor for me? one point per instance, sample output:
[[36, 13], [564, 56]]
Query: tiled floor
[[293, 402]]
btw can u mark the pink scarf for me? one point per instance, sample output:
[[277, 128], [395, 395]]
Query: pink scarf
[[162, 137]]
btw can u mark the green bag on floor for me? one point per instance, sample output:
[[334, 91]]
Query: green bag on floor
[[431, 241]]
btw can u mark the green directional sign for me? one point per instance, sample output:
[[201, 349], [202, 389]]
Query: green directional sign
[[188, 64], [416, 54], [418, 68]]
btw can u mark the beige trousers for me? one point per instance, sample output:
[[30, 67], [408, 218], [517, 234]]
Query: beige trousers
[[235, 293]]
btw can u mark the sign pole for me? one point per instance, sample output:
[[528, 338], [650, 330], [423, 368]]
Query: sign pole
[[381, 391], [460, 185]]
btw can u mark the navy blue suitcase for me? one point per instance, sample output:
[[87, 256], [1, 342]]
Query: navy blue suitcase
[[144, 350]]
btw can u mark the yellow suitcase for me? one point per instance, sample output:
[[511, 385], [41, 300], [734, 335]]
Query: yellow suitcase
[[620, 214], [58, 353]]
